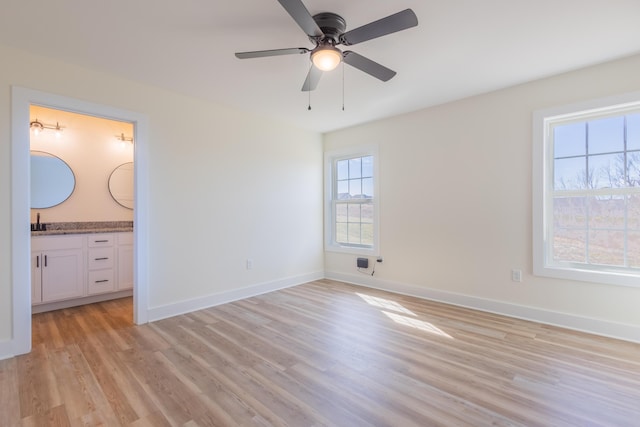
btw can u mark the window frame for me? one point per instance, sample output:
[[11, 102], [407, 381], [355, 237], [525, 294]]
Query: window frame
[[330, 160], [542, 175]]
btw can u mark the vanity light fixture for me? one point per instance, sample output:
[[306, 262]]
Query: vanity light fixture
[[124, 139], [37, 126]]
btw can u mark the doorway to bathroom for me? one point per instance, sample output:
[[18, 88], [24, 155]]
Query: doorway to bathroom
[[82, 203], [24, 103]]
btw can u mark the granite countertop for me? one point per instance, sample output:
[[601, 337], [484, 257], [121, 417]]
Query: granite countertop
[[58, 228]]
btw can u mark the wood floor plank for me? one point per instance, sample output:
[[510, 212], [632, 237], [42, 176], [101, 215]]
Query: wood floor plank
[[320, 354], [230, 407], [170, 395], [78, 400], [155, 419], [53, 417], [102, 369], [9, 399], [37, 388]]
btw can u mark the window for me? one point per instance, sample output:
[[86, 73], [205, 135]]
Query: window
[[587, 192], [351, 201]]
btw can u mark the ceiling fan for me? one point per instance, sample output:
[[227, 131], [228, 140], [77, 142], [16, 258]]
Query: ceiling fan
[[327, 30]]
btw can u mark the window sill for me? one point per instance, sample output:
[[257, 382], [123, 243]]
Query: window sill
[[352, 250], [586, 275]]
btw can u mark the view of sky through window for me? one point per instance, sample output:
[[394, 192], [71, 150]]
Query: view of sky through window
[[596, 191], [354, 208]]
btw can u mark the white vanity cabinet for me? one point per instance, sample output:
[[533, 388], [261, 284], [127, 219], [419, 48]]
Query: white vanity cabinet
[[75, 269], [57, 268]]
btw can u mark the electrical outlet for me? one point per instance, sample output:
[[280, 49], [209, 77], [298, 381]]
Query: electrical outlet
[[249, 263], [516, 275]]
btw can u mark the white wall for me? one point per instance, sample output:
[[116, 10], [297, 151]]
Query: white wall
[[227, 186], [88, 145], [456, 205], [224, 186]]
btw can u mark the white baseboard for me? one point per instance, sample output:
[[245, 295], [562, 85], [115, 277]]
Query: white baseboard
[[7, 349], [41, 308], [569, 321], [15, 347], [182, 307], [584, 324]]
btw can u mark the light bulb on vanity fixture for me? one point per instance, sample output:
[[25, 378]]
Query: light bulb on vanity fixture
[[124, 139], [58, 130], [37, 127]]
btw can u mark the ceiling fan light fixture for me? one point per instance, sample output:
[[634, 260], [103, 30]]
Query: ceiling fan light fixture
[[326, 58], [327, 30]]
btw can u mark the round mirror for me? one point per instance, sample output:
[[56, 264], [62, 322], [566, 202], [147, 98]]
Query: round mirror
[[121, 185], [52, 180]]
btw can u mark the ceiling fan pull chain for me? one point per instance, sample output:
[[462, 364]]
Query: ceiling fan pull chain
[[342, 85], [309, 91]]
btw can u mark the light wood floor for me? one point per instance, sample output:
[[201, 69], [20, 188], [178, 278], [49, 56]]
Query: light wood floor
[[323, 353]]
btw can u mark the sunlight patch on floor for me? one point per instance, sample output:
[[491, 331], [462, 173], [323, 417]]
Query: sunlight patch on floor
[[385, 303], [413, 322]]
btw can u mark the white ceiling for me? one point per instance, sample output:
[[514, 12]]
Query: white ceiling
[[460, 48]]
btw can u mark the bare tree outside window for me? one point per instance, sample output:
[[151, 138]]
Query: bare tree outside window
[[596, 192]]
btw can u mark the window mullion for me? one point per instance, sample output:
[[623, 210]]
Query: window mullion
[[625, 237]]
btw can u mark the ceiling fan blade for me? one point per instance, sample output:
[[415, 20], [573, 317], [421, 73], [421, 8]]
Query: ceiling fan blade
[[368, 66], [303, 18], [313, 77], [391, 24], [273, 52]]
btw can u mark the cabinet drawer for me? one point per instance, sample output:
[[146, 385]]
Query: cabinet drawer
[[47, 243], [100, 240], [101, 281], [101, 258]]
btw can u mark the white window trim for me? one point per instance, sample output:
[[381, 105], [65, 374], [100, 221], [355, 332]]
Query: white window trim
[[329, 159], [541, 194]]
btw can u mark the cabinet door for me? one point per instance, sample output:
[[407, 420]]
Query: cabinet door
[[62, 274], [36, 277], [125, 267]]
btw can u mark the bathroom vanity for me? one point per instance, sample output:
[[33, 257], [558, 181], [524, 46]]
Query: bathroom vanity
[[80, 263]]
